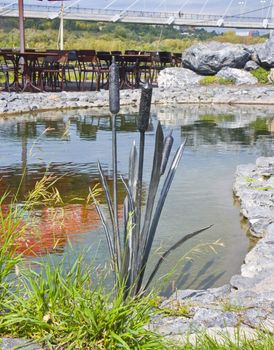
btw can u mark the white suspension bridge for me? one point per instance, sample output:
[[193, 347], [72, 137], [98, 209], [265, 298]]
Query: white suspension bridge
[[260, 17]]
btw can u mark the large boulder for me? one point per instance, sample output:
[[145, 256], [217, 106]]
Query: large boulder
[[265, 53], [239, 76], [209, 58], [177, 78]]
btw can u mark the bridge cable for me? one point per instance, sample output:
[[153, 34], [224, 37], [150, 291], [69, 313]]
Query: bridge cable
[[228, 8], [132, 4], [268, 12], [252, 11], [183, 5], [111, 3], [243, 8], [159, 5], [203, 7]]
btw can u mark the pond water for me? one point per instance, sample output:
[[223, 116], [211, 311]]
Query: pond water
[[69, 144]]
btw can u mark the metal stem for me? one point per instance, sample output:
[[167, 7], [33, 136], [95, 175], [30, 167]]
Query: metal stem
[[139, 188], [117, 243]]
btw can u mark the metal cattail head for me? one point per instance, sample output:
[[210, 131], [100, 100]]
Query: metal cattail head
[[114, 88], [144, 110]]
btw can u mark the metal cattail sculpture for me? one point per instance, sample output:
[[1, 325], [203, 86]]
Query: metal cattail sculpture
[[130, 250]]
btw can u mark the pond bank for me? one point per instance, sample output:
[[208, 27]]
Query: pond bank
[[246, 304], [14, 103]]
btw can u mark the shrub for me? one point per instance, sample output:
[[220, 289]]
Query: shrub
[[213, 79], [261, 74]]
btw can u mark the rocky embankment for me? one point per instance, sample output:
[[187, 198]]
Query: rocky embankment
[[12, 103], [246, 304]]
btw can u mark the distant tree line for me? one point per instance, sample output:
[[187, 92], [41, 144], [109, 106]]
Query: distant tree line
[[43, 34]]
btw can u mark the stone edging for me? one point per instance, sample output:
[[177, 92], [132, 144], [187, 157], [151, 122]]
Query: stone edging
[[246, 304], [14, 103]]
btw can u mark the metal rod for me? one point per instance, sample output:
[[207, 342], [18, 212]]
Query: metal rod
[[139, 187], [115, 191]]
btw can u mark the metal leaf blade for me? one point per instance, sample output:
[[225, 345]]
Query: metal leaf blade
[[153, 186], [133, 170], [107, 193], [106, 229], [156, 217]]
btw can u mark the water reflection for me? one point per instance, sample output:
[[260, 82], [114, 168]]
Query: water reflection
[[69, 144]]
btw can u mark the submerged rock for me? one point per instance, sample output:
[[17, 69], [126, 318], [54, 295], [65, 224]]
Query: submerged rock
[[209, 58]]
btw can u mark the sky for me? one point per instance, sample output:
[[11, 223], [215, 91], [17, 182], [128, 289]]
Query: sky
[[257, 8]]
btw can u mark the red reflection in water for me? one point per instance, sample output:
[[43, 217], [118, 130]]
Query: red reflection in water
[[48, 229]]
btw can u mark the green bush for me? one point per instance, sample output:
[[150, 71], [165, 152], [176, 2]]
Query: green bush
[[261, 74], [213, 79]]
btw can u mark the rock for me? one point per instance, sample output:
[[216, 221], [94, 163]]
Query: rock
[[220, 335], [171, 325], [205, 318], [10, 344], [254, 317], [177, 78], [202, 296], [209, 58], [265, 53], [251, 65], [239, 76], [265, 162], [270, 76]]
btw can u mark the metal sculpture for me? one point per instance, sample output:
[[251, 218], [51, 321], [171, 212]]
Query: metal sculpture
[[130, 251]]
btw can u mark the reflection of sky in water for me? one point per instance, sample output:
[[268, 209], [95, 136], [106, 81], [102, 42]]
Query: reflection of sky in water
[[201, 193]]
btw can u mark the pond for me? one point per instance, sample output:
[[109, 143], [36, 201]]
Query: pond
[[69, 144]]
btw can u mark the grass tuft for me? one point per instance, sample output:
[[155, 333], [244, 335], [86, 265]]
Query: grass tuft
[[213, 79], [61, 306], [261, 74]]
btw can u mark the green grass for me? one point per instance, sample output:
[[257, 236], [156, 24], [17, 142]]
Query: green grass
[[261, 74], [62, 306], [213, 79], [260, 341]]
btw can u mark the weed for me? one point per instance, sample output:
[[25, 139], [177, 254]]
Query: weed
[[233, 308], [261, 74], [210, 80]]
